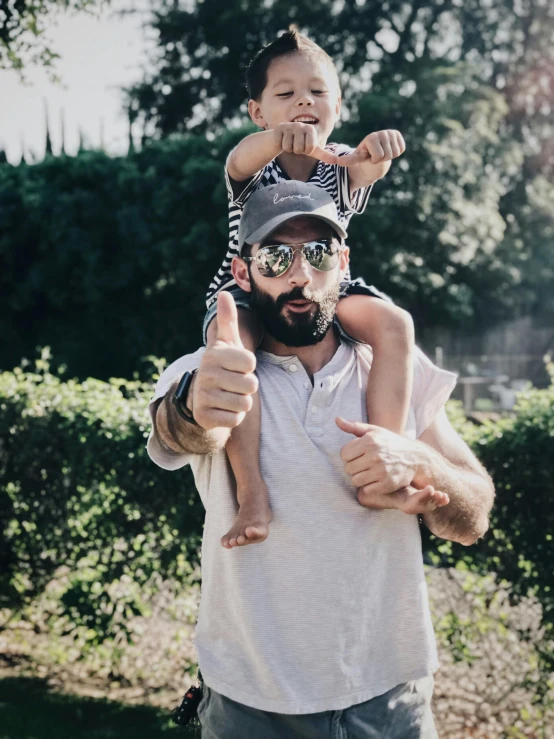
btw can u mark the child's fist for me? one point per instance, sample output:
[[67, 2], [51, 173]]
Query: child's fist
[[378, 147], [296, 138]]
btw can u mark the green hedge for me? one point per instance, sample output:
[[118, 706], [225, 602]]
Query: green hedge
[[78, 492], [79, 496], [518, 452]]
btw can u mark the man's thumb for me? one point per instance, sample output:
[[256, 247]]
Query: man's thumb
[[352, 427], [227, 319]]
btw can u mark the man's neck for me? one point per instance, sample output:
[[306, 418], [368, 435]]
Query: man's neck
[[313, 358]]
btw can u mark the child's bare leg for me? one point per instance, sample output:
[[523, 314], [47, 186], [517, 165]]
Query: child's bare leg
[[243, 450], [389, 331]]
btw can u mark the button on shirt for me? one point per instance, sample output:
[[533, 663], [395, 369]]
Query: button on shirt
[[332, 609]]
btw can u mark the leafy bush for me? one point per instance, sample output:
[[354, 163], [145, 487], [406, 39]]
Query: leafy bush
[[81, 501], [518, 452]]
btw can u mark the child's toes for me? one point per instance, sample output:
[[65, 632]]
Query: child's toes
[[441, 498], [256, 533]]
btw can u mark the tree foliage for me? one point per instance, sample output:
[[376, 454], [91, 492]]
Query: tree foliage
[[107, 260], [23, 30], [470, 85], [199, 62]]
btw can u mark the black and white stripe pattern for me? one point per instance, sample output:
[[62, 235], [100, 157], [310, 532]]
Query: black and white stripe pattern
[[332, 178]]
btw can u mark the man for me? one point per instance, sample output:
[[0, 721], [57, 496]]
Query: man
[[324, 630]]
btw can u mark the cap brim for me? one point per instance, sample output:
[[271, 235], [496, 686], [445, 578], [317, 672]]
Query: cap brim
[[271, 225]]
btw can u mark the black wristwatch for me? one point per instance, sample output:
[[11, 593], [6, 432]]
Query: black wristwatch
[[180, 397]]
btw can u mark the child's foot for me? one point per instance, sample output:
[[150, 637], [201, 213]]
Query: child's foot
[[412, 501], [251, 524]]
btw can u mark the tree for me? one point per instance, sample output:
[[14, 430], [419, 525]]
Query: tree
[[199, 62], [107, 260], [472, 76], [23, 25]]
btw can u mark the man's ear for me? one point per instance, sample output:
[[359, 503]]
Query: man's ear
[[344, 260], [239, 270], [255, 113]]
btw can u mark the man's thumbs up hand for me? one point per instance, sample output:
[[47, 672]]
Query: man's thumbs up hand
[[225, 381], [228, 320]]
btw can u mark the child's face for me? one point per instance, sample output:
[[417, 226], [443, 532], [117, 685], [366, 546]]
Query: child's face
[[299, 88]]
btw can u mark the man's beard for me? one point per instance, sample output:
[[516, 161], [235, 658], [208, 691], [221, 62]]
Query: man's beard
[[301, 329]]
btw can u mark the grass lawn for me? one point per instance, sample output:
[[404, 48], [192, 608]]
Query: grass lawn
[[30, 710]]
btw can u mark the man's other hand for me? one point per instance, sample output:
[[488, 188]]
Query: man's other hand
[[378, 461], [225, 382]]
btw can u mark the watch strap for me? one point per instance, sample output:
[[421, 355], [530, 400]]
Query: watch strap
[[180, 397]]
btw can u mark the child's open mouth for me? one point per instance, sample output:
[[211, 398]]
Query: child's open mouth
[[305, 119]]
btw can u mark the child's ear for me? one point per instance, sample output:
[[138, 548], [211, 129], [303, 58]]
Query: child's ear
[[338, 106], [255, 113]]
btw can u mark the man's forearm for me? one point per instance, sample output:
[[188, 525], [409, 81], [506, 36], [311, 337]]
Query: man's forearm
[[253, 153], [466, 518], [179, 436]]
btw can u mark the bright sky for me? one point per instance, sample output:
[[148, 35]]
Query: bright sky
[[98, 56]]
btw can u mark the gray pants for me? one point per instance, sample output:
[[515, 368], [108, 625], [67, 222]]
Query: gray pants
[[402, 713]]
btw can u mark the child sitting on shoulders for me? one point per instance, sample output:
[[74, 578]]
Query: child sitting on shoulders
[[295, 98]]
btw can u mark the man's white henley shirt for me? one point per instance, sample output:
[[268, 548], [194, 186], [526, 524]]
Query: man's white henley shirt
[[332, 609]]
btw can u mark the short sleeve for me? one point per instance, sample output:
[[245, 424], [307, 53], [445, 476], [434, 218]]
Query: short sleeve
[[161, 456], [349, 202], [431, 389], [239, 199]]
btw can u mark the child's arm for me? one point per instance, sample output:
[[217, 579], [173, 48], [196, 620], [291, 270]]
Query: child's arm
[[372, 158], [258, 149], [389, 331]]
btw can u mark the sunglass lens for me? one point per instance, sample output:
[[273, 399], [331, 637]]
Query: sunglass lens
[[274, 260], [321, 255]]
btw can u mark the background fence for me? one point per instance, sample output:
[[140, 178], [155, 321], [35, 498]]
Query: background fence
[[505, 357]]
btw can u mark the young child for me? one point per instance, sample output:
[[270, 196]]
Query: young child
[[295, 98]]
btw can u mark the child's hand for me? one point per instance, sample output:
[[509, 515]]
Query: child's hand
[[378, 147], [301, 138]]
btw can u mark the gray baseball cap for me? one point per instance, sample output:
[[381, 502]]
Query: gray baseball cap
[[271, 206]]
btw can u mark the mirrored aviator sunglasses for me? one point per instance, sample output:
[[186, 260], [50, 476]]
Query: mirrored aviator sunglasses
[[275, 259]]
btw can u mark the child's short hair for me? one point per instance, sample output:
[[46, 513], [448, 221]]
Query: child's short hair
[[290, 42]]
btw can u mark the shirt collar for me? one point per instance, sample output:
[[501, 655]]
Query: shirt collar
[[336, 367]]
